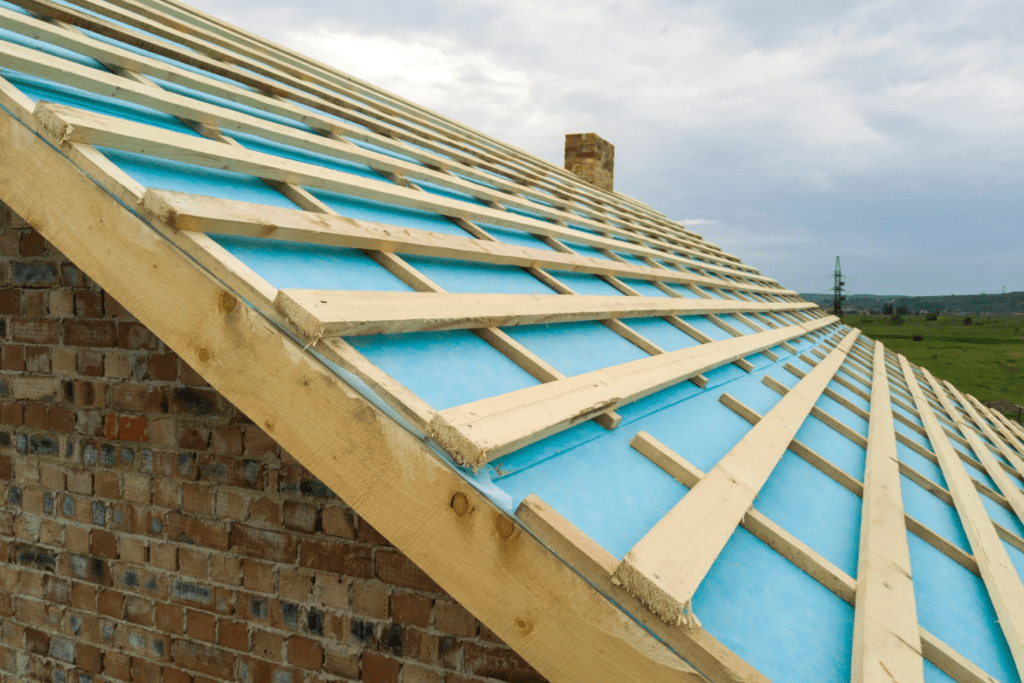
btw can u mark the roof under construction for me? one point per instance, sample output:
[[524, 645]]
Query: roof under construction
[[631, 455]]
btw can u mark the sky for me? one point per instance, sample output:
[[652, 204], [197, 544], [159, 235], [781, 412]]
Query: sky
[[889, 133]]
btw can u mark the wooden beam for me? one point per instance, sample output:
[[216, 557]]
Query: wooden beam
[[997, 571], [335, 313], [559, 623], [886, 635], [478, 432], [667, 565]]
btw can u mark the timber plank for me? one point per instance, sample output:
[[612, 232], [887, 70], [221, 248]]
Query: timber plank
[[886, 635]]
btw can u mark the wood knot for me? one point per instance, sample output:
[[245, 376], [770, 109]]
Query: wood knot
[[504, 526], [203, 354], [226, 302], [524, 625], [460, 504]]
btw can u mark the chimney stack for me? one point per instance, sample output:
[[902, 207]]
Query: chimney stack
[[591, 158]]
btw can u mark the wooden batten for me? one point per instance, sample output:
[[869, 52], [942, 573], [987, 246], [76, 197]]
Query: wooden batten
[[886, 637], [666, 566], [333, 313]]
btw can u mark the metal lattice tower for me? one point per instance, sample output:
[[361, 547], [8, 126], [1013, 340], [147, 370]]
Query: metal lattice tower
[[837, 290]]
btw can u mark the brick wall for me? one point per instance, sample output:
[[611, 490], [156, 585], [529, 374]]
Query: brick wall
[[150, 532]]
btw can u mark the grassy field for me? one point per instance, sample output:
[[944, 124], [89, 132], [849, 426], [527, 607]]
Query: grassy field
[[984, 358]]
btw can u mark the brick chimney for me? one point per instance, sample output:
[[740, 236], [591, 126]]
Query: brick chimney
[[591, 158]]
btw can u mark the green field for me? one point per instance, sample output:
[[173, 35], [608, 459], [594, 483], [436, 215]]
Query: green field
[[984, 358]]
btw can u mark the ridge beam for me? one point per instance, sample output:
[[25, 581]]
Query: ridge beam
[[339, 313], [665, 568], [997, 571], [477, 433], [886, 635]]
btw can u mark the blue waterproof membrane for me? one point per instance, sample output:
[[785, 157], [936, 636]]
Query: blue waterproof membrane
[[963, 618], [387, 152], [583, 283], [229, 104], [173, 175], [38, 89], [445, 369], [685, 291], [933, 674], [713, 295], [754, 394], [645, 288], [907, 414], [921, 464], [515, 237], [833, 446], [979, 474], [602, 469], [290, 265], [585, 250], [707, 327], [814, 508], [1002, 516], [47, 48], [527, 214], [379, 212], [934, 513], [1016, 557], [258, 144], [575, 348], [853, 398], [661, 332], [843, 414], [465, 276], [14, 8], [448, 192], [919, 439], [343, 122], [773, 615], [632, 260], [467, 178]]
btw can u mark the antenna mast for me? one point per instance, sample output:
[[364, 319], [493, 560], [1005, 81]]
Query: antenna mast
[[837, 289]]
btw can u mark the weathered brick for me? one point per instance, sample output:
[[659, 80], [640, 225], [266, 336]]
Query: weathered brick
[[337, 558], [33, 274], [197, 532], [95, 333], [500, 663], [203, 659], [262, 544]]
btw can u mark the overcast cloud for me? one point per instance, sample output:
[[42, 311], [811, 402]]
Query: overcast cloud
[[889, 133]]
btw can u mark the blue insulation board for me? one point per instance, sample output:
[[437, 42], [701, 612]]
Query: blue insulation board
[[445, 369], [749, 602], [963, 618]]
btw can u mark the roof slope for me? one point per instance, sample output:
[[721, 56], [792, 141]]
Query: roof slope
[[631, 455]]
